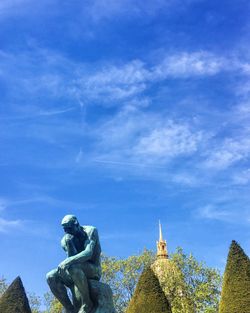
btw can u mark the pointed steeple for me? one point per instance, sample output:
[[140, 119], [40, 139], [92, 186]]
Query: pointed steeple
[[160, 231], [162, 252]]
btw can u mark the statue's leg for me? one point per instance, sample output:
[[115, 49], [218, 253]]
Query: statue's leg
[[76, 297], [80, 280], [59, 290]]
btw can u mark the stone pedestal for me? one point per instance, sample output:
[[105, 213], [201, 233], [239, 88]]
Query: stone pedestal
[[102, 296]]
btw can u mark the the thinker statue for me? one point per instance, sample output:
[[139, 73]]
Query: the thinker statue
[[80, 270]]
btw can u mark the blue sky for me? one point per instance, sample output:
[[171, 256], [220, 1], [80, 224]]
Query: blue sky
[[123, 113]]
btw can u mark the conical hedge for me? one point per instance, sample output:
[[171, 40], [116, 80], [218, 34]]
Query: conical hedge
[[148, 296], [14, 300], [235, 296]]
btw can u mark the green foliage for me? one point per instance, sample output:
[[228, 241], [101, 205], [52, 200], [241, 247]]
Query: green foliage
[[173, 284], [236, 282], [122, 275], [52, 304], [3, 285], [148, 296], [35, 302], [202, 283], [14, 299]]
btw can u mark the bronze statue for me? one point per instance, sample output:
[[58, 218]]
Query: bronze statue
[[82, 265]]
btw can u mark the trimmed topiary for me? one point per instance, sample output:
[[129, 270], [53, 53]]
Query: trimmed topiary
[[14, 300], [148, 296], [235, 297]]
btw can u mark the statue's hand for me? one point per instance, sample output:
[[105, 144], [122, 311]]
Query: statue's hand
[[65, 264]]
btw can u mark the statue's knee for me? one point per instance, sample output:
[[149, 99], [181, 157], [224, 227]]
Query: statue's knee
[[51, 276]]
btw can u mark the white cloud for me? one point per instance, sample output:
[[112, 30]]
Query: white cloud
[[115, 82], [43, 71], [186, 179], [119, 82], [168, 141], [133, 137], [189, 64], [8, 225], [242, 178], [232, 150], [243, 89], [79, 156], [245, 67], [23, 7], [106, 9], [243, 109], [229, 212], [214, 213]]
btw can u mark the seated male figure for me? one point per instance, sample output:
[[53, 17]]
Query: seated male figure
[[82, 246]]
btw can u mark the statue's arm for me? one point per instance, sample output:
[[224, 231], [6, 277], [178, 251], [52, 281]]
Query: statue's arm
[[87, 253]]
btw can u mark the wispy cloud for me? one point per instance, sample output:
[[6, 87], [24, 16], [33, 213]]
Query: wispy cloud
[[37, 112], [43, 71], [185, 64], [214, 213], [115, 82], [243, 89], [171, 140], [186, 179], [130, 135], [119, 82], [106, 9], [8, 225], [126, 81], [23, 7], [242, 177], [231, 151], [138, 139], [229, 207]]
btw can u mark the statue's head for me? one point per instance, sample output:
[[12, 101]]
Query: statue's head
[[70, 224]]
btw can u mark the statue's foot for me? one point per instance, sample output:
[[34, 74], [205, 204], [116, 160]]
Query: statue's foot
[[87, 309]]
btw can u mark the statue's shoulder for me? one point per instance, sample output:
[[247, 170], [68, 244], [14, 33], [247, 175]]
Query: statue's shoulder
[[89, 229]]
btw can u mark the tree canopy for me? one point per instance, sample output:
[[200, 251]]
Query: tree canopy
[[200, 283]]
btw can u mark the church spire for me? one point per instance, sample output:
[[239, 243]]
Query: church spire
[[162, 252], [160, 231]]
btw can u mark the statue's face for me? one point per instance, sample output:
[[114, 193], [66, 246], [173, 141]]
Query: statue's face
[[70, 228]]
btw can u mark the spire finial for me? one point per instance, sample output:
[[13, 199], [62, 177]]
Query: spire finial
[[162, 252], [160, 231]]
